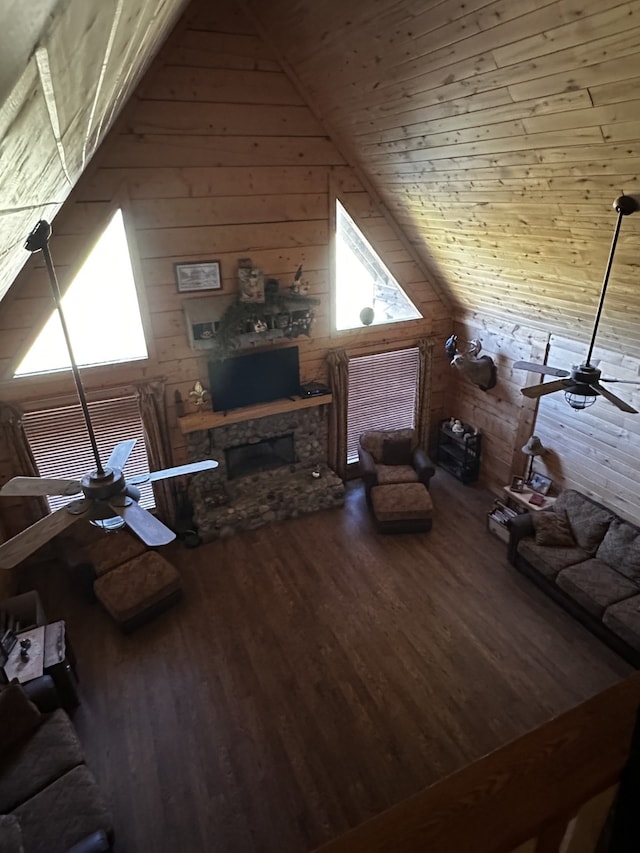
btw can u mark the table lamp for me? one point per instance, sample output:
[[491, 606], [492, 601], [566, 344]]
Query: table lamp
[[532, 449]]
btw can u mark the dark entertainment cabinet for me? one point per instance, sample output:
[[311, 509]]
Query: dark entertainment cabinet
[[459, 452]]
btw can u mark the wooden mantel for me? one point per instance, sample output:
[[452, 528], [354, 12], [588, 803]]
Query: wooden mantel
[[210, 420]]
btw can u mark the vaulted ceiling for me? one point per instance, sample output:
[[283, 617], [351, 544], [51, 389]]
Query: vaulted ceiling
[[66, 68], [497, 134]]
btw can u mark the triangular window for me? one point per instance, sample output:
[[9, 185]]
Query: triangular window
[[363, 283], [101, 309]]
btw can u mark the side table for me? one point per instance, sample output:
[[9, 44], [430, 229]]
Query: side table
[[48, 654], [522, 500]]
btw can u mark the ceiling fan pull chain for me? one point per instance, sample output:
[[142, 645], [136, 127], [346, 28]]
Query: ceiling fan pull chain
[[38, 240]]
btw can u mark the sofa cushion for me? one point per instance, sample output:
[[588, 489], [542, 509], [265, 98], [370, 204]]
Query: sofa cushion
[[623, 618], [397, 451], [18, 716], [52, 749], [589, 522], [66, 811], [396, 474], [552, 529], [373, 440], [615, 545], [595, 585], [630, 565], [10, 834], [549, 561]]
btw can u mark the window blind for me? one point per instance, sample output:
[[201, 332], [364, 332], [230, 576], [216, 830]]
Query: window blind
[[382, 394], [60, 443]]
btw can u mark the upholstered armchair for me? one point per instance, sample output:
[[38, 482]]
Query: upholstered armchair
[[393, 456]]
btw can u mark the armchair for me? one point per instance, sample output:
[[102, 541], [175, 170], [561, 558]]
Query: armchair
[[392, 456]]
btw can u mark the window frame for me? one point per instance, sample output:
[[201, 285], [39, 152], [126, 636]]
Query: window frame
[[415, 350], [108, 396], [96, 372], [333, 241]]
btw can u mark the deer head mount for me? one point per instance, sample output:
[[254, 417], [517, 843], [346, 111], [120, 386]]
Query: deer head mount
[[478, 369]]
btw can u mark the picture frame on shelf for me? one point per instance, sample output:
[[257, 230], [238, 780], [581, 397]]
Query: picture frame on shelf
[[517, 484], [540, 484], [199, 275]]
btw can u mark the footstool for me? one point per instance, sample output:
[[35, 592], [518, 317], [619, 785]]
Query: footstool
[[401, 507], [137, 590]]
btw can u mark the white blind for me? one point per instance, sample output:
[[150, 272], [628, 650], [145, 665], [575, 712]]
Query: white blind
[[382, 394], [60, 442]]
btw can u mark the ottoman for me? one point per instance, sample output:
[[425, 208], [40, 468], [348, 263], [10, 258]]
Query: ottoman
[[401, 507], [137, 590]]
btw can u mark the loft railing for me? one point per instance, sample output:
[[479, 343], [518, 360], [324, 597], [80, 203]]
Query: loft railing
[[549, 791]]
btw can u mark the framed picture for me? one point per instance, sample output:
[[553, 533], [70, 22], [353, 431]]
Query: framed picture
[[199, 276], [517, 484], [539, 483]]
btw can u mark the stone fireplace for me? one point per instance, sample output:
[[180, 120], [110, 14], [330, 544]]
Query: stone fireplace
[[265, 471]]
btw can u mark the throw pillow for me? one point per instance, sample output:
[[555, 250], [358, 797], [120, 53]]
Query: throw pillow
[[18, 716], [552, 529], [10, 834], [396, 451]]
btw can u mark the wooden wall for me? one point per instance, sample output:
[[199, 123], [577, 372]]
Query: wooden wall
[[216, 157]]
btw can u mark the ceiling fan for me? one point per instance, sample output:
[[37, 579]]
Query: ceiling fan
[[106, 493], [582, 385]]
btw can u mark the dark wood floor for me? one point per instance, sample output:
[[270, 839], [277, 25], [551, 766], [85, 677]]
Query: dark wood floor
[[316, 673]]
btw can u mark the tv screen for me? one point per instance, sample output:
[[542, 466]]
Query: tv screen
[[259, 377]]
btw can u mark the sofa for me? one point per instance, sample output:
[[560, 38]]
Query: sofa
[[49, 799], [588, 560]]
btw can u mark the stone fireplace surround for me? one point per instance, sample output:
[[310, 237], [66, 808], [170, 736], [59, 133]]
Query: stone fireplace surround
[[223, 506]]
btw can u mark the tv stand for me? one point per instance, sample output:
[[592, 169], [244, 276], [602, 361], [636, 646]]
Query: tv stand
[[210, 420]]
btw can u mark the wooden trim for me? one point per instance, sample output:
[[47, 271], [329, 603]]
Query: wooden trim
[[210, 420], [504, 799]]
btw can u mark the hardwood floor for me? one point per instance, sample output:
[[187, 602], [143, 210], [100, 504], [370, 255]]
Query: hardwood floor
[[316, 673]]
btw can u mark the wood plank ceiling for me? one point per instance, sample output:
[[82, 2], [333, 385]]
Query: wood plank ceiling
[[497, 133], [66, 68]]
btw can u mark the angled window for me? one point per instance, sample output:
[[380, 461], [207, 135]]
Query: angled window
[[364, 282], [101, 309], [382, 394], [60, 444]]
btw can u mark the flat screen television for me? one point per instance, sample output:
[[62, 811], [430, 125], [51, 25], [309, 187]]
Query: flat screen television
[[259, 377]]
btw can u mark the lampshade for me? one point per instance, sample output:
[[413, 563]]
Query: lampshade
[[533, 447]]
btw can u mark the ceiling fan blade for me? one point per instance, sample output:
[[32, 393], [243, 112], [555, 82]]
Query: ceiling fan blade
[[621, 381], [120, 454], [540, 368], [152, 531], [32, 486], [546, 388], [624, 407], [191, 468], [21, 546]]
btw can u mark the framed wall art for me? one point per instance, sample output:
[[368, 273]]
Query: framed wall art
[[202, 275]]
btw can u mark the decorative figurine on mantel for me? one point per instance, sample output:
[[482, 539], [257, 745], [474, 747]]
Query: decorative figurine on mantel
[[198, 395], [299, 286]]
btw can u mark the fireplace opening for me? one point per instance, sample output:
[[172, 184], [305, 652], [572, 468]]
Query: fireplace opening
[[261, 455]]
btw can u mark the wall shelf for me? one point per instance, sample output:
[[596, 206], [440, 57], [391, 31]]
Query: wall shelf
[[210, 420]]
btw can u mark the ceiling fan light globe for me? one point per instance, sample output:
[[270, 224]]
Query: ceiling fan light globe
[[579, 400]]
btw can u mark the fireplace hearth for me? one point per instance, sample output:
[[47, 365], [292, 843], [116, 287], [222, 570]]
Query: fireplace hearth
[[261, 455], [266, 472]]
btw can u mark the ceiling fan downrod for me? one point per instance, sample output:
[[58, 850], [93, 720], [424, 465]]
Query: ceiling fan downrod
[[38, 241], [624, 205]]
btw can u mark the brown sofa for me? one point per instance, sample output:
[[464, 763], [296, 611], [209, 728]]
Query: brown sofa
[[588, 560], [49, 799]]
